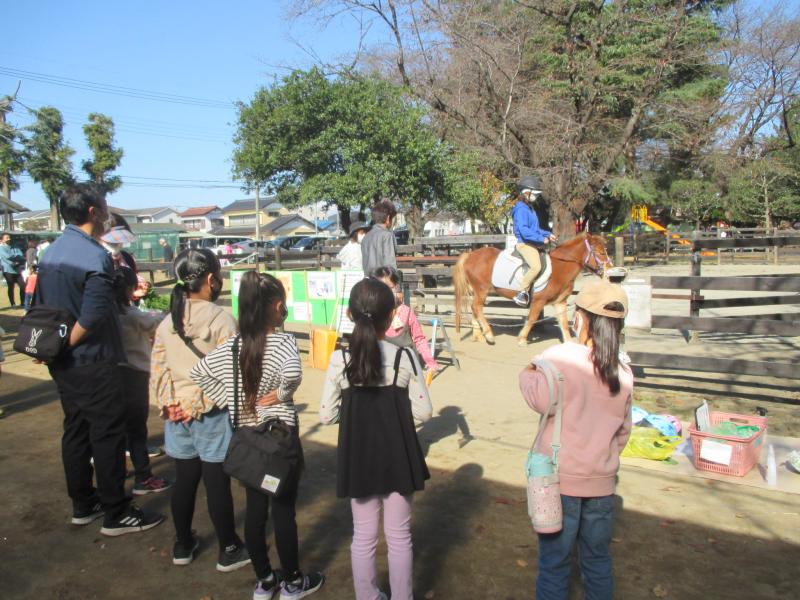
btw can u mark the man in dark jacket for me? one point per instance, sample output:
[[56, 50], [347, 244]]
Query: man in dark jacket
[[379, 246], [530, 236], [76, 275]]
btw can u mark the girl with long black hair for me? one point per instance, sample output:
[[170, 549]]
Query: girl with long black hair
[[376, 392], [596, 416], [196, 431], [269, 375]]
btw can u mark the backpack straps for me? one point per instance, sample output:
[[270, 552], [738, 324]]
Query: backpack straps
[[397, 358]]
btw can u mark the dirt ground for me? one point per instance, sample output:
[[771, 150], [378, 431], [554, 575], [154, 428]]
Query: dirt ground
[[679, 538]]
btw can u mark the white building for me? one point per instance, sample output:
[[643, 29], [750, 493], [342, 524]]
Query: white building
[[448, 224], [158, 214], [202, 219]]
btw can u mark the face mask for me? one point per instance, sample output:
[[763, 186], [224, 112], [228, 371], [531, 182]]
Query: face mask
[[283, 312], [577, 325], [360, 237], [114, 249]]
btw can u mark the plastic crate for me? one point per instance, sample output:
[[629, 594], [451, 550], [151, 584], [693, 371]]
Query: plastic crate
[[746, 451]]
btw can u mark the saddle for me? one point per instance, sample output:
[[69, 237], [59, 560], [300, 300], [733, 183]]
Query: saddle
[[509, 268]]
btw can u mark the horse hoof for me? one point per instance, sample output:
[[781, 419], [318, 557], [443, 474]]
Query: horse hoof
[[490, 340], [522, 342]]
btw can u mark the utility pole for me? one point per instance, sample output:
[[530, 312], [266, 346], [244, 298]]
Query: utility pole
[[258, 225]]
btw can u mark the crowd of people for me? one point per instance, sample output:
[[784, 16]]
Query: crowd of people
[[210, 374]]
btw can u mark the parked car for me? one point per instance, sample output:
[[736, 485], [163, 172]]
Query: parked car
[[286, 242], [311, 243]]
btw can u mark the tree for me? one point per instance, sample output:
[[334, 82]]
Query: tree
[[350, 140], [12, 159], [567, 89], [99, 132], [48, 157]]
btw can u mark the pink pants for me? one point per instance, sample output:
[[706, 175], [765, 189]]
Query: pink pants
[[397, 529]]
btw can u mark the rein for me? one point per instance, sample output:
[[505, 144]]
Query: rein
[[591, 253]]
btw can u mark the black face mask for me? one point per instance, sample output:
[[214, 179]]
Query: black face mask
[[284, 312]]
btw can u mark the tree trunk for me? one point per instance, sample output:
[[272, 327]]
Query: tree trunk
[[55, 217], [344, 218], [415, 222], [563, 220]]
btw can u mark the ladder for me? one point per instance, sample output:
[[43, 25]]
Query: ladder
[[437, 344]]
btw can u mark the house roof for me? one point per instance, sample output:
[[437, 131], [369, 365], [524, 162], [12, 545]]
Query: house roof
[[157, 228], [199, 211], [242, 205], [9, 206], [32, 215], [284, 221], [141, 212]]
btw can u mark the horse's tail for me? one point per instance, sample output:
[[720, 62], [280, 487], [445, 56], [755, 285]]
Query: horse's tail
[[462, 287]]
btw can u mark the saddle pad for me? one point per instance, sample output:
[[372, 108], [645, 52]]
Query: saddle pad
[[509, 268]]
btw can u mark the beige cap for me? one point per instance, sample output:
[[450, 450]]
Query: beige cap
[[594, 296]]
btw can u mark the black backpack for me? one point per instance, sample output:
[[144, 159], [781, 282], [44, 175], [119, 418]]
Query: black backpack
[[44, 332]]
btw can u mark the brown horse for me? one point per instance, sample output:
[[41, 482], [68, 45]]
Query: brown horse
[[472, 275]]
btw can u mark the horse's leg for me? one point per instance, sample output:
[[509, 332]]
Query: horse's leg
[[487, 329], [477, 334], [483, 329], [561, 313], [533, 315]]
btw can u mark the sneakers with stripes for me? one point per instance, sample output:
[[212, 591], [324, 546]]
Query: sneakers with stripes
[[87, 515], [301, 587], [132, 520]]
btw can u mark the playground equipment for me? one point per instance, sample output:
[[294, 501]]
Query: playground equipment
[[639, 214]]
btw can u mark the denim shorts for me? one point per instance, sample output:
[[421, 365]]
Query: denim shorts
[[207, 438]]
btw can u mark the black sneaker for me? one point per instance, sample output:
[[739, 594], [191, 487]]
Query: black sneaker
[[88, 515], [132, 520], [301, 587], [233, 557], [183, 554]]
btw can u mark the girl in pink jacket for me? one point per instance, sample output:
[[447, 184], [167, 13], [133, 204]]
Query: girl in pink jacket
[[596, 425]]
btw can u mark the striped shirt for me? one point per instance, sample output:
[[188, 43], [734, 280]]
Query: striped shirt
[[281, 371]]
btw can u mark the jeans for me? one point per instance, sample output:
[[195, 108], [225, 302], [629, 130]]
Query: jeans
[[94, 425], [28, 301], [397, 530], [589, 522]]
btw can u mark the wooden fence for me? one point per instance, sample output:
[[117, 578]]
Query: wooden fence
[[786, 324]]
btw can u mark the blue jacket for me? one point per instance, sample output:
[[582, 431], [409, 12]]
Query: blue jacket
[[6, 252], [526, 224], [76, 274]]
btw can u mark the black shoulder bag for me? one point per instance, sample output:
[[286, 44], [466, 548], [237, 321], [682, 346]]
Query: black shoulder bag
[[263, 457], [44, 331]]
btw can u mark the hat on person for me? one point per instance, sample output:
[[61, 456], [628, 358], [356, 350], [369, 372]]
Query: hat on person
[[118, 235], [356, 226], [594, 297], [529, 182]]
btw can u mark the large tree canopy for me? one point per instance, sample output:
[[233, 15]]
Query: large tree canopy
[[348, 140], [99, 132]]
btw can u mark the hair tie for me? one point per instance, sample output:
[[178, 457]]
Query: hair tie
[[180, 282], [367, 314]]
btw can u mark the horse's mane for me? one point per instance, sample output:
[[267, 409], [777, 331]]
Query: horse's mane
[[566, 249]]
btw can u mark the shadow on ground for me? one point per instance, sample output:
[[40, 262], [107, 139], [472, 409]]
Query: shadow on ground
[[470, 534]]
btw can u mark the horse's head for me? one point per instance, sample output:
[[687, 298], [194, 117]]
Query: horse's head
[[595, 254]]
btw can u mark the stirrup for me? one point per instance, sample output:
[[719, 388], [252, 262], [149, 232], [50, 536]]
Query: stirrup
[[518, 299]]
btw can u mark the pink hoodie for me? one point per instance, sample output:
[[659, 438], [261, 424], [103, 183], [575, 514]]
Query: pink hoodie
[[595, 424]]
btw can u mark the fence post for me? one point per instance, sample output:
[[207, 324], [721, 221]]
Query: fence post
[[775, 248], [619, 251], [149, 255], [694, 299], [277, 257], [667, 241]]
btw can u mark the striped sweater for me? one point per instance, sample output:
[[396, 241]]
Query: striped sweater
[[281, 371]]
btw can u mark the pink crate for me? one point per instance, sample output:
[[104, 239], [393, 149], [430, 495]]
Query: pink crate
[[746, 451]]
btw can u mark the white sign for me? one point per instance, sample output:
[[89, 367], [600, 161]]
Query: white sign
[[321, 285], [302, 311], [716, 452], [640, 297]]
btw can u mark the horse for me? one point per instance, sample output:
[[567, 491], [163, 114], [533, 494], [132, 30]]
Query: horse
[[472, 275]]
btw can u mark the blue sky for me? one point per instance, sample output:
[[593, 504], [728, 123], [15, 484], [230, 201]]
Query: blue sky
[[216, 51]]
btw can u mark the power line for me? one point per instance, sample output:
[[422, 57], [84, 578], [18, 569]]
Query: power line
[[116, 90]]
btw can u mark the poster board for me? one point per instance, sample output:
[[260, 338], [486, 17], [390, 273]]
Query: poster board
[[314, 297], [640, 297]]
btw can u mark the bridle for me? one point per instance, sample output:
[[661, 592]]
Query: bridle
[[591, 253]]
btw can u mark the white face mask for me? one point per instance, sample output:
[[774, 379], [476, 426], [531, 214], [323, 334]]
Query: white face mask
[[577, 325], [360, 237]]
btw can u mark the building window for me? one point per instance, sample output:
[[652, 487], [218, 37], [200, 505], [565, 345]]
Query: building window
[[242, 220], [274, 213]]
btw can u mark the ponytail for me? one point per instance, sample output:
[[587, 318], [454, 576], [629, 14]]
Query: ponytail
[[190, 266], [605, 333], [371, 305], [258, 293]]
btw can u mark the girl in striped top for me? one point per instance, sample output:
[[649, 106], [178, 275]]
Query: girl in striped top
[[269, 374]]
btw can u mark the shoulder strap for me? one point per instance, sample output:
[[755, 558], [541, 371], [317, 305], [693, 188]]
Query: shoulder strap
[[397, 358], [235, 352], [555, 386], [190, 344]]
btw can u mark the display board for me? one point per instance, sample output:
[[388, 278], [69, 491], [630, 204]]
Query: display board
[[314, 297]]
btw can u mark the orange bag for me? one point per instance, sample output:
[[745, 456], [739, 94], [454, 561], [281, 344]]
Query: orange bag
[[323, 343]]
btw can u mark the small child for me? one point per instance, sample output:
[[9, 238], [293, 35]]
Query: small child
[[405, 330], [270, 374], [376, 392], [137, 328], [30, 286]]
